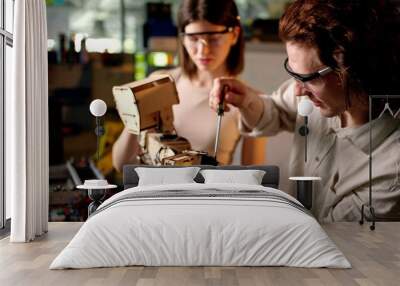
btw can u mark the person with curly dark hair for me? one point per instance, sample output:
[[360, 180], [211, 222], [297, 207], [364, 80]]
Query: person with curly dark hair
[[339, 53]]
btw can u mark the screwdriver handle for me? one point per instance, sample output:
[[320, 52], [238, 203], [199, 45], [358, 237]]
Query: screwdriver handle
[[220, 110]]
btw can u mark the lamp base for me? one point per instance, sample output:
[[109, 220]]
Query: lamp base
[[305, 190], [305, 193], [97, 196]]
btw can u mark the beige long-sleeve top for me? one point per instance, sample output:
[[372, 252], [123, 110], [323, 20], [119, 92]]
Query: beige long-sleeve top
[[197, 122], [340, 156]]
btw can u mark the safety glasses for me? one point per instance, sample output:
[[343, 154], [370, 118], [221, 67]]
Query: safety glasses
[[306, 77], [209, 38], [226, 30]]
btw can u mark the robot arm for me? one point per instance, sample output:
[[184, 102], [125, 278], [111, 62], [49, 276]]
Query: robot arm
[[147, 104]]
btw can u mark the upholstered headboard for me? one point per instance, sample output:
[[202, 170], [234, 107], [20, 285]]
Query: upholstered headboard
[[271, 177]]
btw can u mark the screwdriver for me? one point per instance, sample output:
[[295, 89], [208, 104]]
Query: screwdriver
[[220, 113]]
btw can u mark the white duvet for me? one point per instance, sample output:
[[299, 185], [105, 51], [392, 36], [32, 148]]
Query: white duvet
[[183, 231]]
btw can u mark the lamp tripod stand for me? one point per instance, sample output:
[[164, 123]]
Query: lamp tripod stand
[[374, 217]]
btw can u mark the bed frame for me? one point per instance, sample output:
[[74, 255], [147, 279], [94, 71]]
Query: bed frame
[[270, 179]]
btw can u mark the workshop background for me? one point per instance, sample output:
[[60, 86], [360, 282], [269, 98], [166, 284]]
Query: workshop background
[[94, 45]]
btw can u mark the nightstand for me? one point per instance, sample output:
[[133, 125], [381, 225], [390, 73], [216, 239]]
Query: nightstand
[[97, 190], [305, 189]]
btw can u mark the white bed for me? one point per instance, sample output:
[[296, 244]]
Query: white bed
[[203, 225]]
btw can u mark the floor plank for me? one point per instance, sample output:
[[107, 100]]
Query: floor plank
[[375, 257]]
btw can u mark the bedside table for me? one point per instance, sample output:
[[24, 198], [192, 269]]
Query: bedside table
[[305, 189], [97, 190]]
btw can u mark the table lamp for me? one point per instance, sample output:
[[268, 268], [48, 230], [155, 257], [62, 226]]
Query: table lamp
[[305, 184], [305, 108], [97, 188], [98, 108]]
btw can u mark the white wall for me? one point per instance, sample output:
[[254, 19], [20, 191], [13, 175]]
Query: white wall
[[264, 71]]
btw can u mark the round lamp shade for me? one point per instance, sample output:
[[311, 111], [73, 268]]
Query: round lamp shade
[[305, 107], [98, 107]]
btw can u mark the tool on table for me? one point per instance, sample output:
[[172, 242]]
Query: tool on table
[[220, 113]]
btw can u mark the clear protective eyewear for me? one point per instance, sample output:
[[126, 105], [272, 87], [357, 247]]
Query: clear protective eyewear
[[304, 78], [208, 38]]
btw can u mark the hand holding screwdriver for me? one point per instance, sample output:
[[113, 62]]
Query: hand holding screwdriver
[[235, 93], [221, 105]]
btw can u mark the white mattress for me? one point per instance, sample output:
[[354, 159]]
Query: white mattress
[[183, 231]]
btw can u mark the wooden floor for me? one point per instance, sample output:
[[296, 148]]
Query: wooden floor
[[375, 257]]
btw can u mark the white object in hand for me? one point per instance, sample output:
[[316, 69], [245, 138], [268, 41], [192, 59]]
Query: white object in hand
[[305, 107], [98, 107]]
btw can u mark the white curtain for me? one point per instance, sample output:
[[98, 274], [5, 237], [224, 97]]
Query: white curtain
[[27, 124]]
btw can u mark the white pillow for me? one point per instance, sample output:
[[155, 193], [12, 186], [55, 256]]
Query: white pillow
[[162, 176], [248, 177]]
